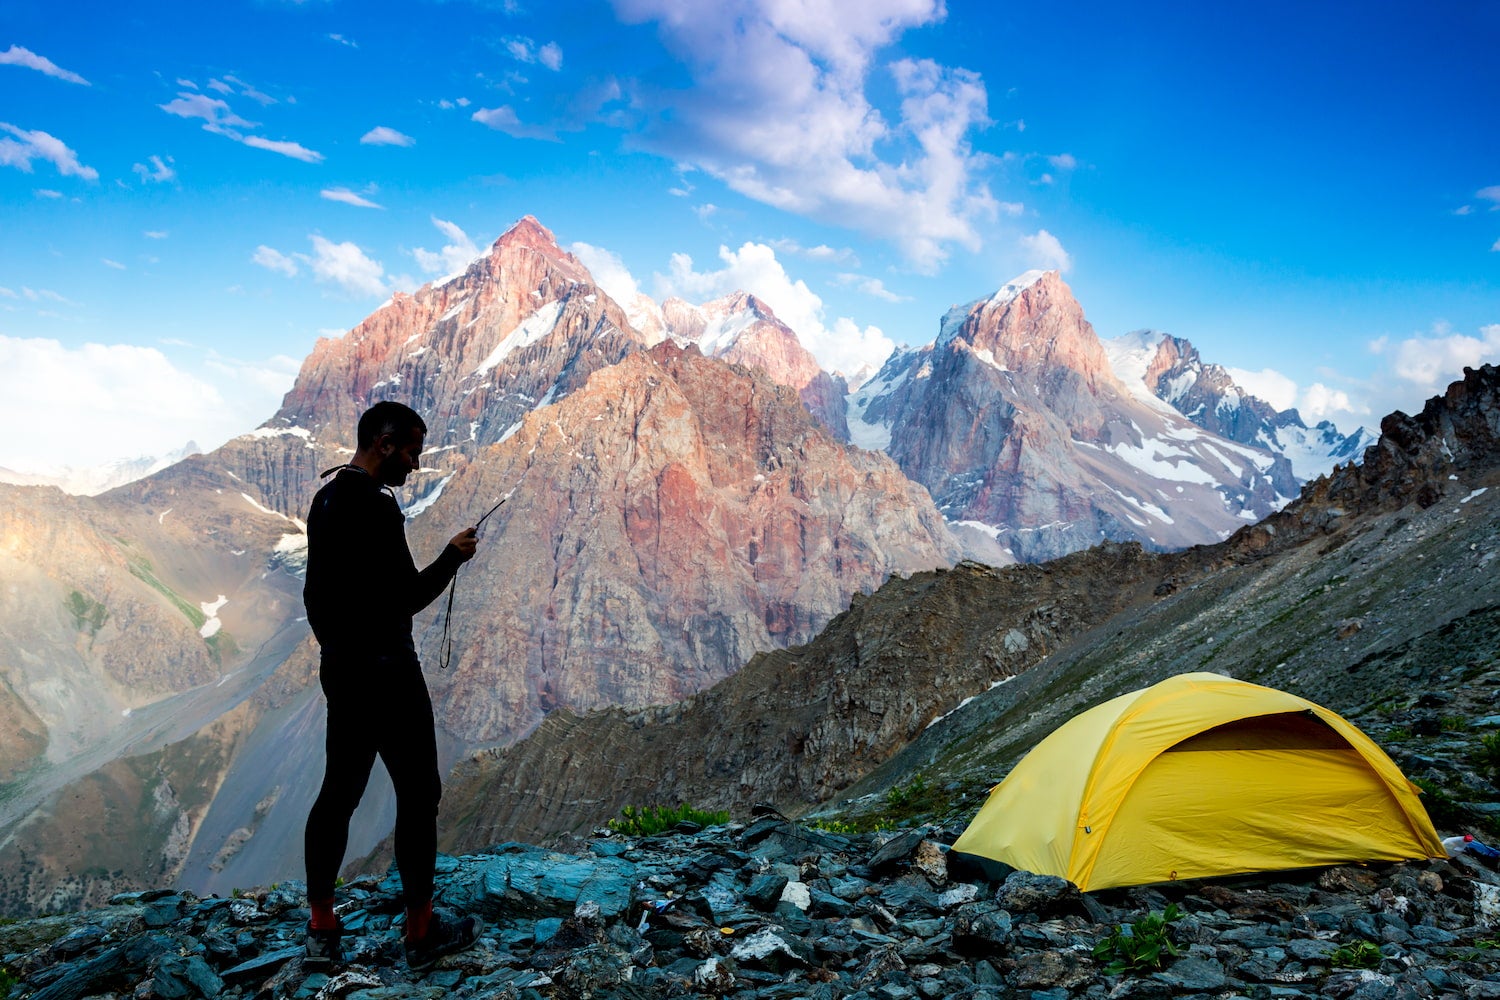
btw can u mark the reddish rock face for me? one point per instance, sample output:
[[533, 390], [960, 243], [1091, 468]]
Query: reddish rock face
[[523, 323], [742, 330], [669, 520]]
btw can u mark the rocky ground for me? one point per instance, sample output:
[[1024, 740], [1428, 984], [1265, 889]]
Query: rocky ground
[[770, 910]]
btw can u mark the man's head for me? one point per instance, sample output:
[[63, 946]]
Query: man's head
[[390, 442]]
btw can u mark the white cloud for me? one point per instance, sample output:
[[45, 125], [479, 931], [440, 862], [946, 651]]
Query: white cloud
[[44, 294], [220, 86], [1043, 250], [1464, 210], [158, 171], [779, 111], [1268, 384], [32, 145], [348, 198], [524, 50], [100, 402], [1496, 247], [112, 263], [250, 91], [1063, 161], [380, 135], [1490, 194], [609, 271], [504, 119], [274, 260], [219, 118], [155, 234], [216, 114], [455, 255], [821, 252], [48, 193], [295, 150], [705, 211], [346, 265], [1431, 361], [18, 56], [845, 346], [870, 286], [344, 41]]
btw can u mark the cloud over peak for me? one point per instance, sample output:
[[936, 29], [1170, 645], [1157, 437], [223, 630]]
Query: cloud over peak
[[780, 112]]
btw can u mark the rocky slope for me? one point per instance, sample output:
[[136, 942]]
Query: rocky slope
[[767, 910], [1321, 598], [1171, 370], [126, 629], [1015, 421]]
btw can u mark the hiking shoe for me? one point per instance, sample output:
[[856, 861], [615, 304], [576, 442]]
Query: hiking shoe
[[446, 934], [322, 950]]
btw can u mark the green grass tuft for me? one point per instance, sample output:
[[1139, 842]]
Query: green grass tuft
[[638, 822]]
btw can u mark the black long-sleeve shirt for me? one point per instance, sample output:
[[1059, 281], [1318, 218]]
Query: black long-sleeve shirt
[[362, 586]]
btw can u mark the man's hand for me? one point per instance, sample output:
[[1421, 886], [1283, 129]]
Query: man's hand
[[466, 542]]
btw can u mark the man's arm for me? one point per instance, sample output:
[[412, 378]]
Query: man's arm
[[431, 581]]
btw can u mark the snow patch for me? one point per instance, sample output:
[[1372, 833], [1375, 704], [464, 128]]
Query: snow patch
[[211, 627], [429, 499], [263, 508], [1477, 493], [532, 329], [270, 432]]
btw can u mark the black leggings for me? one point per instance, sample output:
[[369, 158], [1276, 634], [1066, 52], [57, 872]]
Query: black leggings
[[376, 706]]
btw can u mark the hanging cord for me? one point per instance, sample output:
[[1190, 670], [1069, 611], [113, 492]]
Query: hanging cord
[[452, 586]]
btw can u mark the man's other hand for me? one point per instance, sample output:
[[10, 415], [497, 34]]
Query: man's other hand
[[466, 542]]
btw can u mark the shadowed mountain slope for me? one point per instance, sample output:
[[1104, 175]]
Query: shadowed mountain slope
[[1317, 598]]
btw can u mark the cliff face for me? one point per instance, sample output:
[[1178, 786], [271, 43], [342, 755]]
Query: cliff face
[[1015, 421], [666, 522], [522, 326], [800, 727], [743, 330]]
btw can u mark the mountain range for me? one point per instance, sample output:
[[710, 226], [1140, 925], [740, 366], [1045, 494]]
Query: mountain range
[[685, 492]]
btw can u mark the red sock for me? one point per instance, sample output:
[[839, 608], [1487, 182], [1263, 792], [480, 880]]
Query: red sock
[[323, 917], [417, 919]]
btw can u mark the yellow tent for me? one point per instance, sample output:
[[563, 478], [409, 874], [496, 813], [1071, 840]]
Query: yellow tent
[[1200, 775]]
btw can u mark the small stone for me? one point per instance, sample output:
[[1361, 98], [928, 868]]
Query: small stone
[[931, 860], [1026, 892], [1194, 975], [765, 890], [964, 892]]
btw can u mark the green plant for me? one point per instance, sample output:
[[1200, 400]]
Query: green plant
[[1398, 735], [87, 613], [1489, 756], [8, 982], [1453, 724], [1141, 946], [634, 822], [1481, 949], [834, 826], [1355, 955]]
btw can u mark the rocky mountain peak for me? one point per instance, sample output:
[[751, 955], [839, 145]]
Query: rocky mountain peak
[[529, 233], [1031, 325]]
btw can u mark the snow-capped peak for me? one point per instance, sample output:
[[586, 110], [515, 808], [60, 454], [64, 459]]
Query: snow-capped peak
[[1016, 286]]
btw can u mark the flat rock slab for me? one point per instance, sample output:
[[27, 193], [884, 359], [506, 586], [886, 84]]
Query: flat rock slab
[[542, 884]]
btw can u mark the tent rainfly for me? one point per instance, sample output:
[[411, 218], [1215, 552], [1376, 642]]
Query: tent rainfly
[[1200, 775]]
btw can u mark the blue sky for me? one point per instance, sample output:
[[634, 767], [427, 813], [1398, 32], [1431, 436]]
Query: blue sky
[[192, 193]]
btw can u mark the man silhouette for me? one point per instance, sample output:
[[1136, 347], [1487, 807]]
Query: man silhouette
[[361, 593]]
